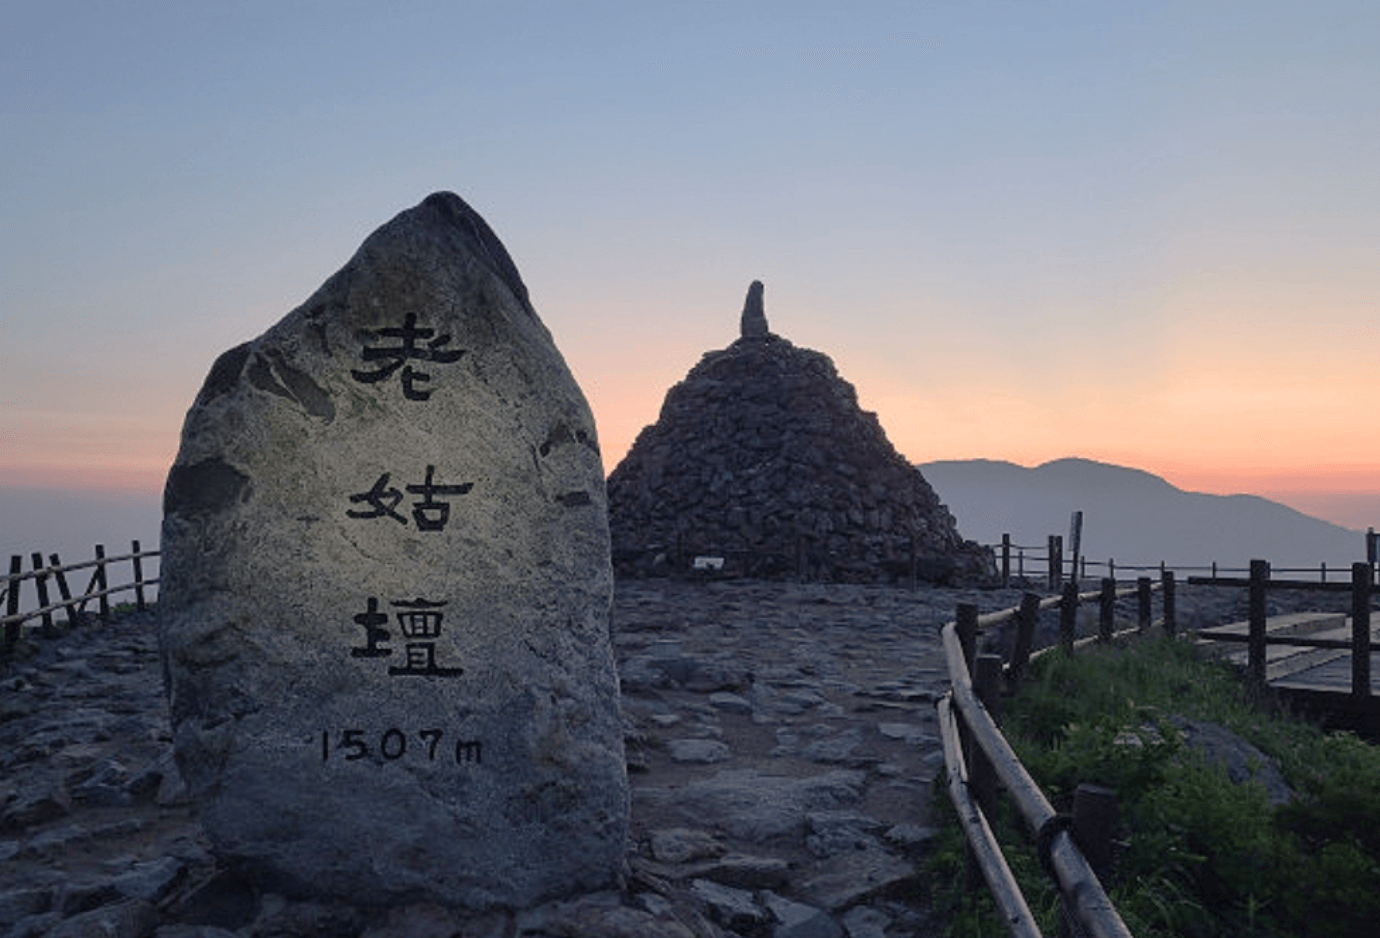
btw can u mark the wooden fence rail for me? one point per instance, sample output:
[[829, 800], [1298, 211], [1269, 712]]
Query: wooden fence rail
[[1055, 568], [979, 759], [73, 606]]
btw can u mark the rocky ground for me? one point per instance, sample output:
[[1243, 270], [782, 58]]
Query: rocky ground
[[781, 745]]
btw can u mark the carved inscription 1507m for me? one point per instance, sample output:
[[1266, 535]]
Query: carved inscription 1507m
[[419, 620]]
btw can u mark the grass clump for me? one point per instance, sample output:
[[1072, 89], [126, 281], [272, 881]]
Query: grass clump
[[1198, 854]]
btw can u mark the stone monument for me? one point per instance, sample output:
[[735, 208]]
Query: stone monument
[[386, 590]]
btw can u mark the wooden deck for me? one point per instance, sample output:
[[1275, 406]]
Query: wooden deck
[[1315, 679], [1331, 674]]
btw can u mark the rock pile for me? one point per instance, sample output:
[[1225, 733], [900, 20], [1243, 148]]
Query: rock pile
[[762, 456]]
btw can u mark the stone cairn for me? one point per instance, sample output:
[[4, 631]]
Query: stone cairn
[[763, 458]]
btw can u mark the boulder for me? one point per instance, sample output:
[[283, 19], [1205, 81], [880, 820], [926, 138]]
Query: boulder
[[1243, 762], [386, 587]]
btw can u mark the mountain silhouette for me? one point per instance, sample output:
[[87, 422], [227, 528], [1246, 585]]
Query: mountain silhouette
[[1134, 517]]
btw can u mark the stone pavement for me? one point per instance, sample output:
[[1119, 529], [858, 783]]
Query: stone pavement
[[781, 743]]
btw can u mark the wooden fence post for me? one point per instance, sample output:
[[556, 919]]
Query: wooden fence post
[[1360, 630], [987, 685], [1143, 602], [1075, 544], [1106, 618], [138, 577], [1026, 620], [982, 776], [1255, 668], [1056, 562], [63, 590], [1005, 560], [41, 582], [1171, 615], [99, 580], [1068, 616], [966, 626], [13, 629], [1094, 821]]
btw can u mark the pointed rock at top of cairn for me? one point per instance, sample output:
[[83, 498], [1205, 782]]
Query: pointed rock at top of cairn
[[754, 321]]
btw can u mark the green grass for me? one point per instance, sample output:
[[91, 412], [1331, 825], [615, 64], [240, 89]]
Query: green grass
[[1197, 855]]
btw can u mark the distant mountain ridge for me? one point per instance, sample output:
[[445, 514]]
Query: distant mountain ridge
[[1130, 515], [1133, 516]]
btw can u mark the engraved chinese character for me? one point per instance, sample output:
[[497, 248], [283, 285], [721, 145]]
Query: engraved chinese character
[[421, 624], [429, 513], [374, 636], [394, 357], [381, 501]]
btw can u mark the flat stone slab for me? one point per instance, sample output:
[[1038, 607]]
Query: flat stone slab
[[754, 806], [913, 733], [849, 878], [706, 751], [798, 920]]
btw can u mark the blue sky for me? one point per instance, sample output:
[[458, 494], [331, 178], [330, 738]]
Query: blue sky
[[1142, 233]]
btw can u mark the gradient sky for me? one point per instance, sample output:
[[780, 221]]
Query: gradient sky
[[1144, 233]]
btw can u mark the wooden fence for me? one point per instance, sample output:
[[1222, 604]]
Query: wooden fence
[[72, 605], [1054, 568], [1075, 850], [1362, 586]]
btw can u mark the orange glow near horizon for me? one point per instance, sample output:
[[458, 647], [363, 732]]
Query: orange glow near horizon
[[1204, 453], [128, 479], [1209, 455], [1193, 415], [98, 450], [1223, 429]]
